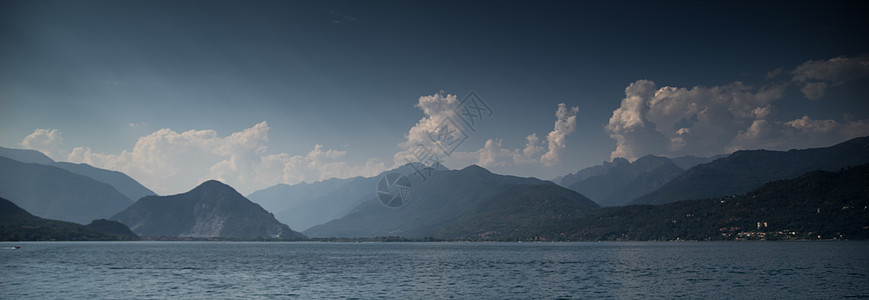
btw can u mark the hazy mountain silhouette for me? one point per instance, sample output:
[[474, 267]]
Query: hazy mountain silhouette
[[120, 181], [689, 161], [123, 183], [447, 199], [744, 171], [307, 204], [281, 197], [55, 193], [26, 156], [16, 224], [620, 181], [623, 181], [212, 209]]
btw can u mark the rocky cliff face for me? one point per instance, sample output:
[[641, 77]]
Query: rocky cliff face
[[212, 209]]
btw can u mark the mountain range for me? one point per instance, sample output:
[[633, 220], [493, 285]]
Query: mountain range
[[16, 224], [746, 170], [621, 181], [666, 198], [55, 193], [470, 201], [816, 205], [120, 181], [211, 210], [304, 205]]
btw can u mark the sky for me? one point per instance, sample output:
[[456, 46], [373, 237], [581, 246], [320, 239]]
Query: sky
[[256, 93]]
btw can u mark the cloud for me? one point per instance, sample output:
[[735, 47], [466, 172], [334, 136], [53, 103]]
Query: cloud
[[557, 138], [808, 125], [316, 165], [803, 132], [529, 153], [171, 162], [438, 115], [437, 110], [47, 141], [816, 76], [629, 126], [707, 121]]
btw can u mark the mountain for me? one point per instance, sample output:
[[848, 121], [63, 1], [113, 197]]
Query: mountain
[[26, 156], [450, 203], [281, 197], [689, 161], [16, 224], [602, 169], [54, 193], [817, 205], [304, 205], [622, 181], [744, 171], [518, 208], [211, 210], [120, 181]]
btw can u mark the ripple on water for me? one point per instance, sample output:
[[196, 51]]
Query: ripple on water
[[155, 270]]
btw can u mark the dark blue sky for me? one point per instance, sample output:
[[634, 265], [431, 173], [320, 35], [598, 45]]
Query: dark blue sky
[[347, 76]]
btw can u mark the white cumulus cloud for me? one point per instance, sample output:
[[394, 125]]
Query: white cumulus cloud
[[172, 162], [557, 138], [47, 141], [438, 111], [713, 120]]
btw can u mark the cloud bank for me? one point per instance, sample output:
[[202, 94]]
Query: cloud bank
[[706, 121], [172, 162]]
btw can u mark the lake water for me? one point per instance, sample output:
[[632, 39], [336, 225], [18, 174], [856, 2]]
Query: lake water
[[254, 270]]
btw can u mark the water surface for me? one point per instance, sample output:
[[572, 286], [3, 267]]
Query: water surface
[[256, 270]]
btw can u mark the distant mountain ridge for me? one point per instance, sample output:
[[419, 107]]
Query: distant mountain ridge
[[16, 224], [55, 193], [132, 189], [212, 209], [448, 203], [743, 171], [620, 181], [305, 205], [515, 211], [816, 205], [27, 156], [120, 181]]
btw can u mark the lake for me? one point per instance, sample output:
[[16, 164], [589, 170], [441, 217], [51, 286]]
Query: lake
[[304, 270]]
